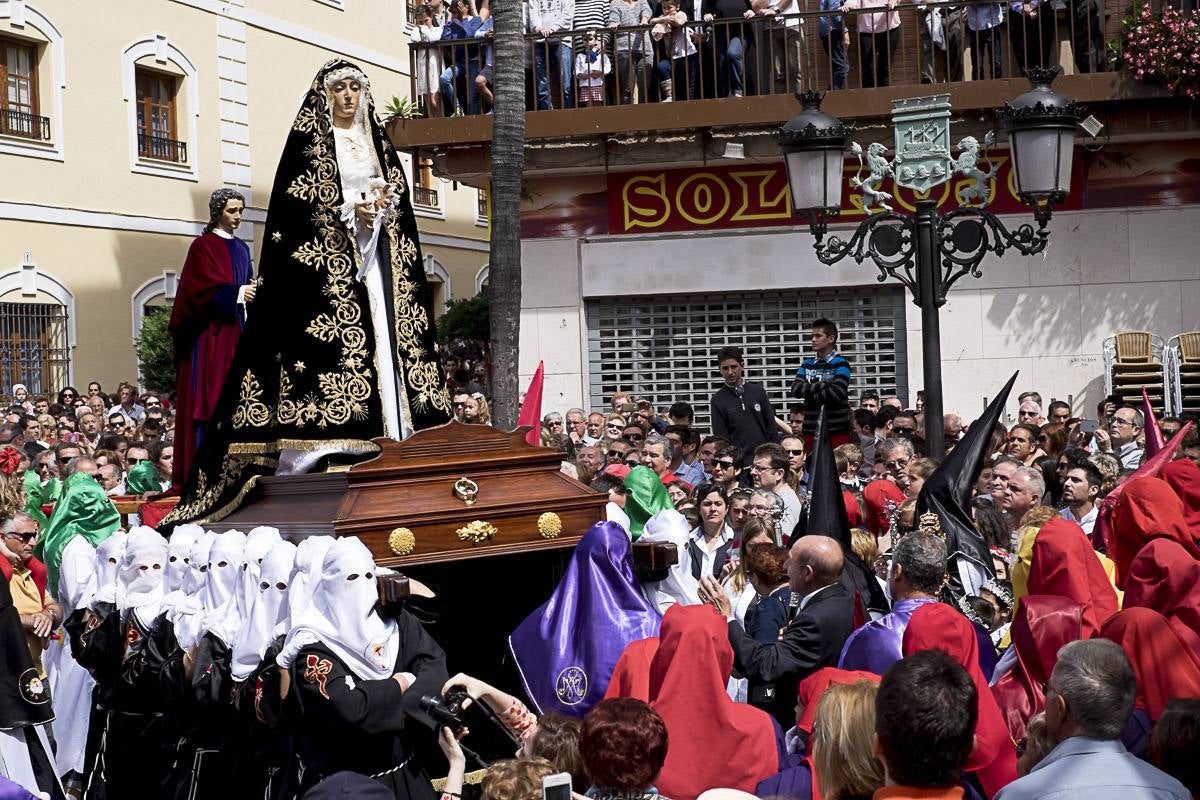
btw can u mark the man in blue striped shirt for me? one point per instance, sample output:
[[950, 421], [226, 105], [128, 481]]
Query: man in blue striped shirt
[[823, 380]]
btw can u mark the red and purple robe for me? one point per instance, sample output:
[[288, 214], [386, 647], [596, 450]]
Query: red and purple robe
[[205, 325]]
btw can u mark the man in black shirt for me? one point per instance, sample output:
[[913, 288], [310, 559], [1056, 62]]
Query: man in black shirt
[[740, 410]]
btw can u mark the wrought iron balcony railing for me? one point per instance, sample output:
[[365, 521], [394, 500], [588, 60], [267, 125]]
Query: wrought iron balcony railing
[[14, 122], [161, 149], [862, 44], [427, 198]]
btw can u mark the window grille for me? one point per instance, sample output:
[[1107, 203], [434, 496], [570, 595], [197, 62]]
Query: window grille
[[663, 348], [33, 346]]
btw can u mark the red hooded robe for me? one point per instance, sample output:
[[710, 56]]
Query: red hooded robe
[[1166, 669], [714, 742], [1065, 565], [1166, 578], [937, 626], [1043, 624], [1148, 509]]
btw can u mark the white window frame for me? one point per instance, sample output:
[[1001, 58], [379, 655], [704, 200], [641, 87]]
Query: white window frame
[[165, 285], [22, 15], [30, 281], [434, 267], [163, 52]]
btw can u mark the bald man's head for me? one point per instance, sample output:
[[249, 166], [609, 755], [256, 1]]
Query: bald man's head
[[815, 561]]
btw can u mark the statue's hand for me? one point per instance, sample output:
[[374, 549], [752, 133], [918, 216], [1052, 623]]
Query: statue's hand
[[365, 212]]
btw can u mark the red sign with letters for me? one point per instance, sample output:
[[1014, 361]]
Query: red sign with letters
[[756, 195]]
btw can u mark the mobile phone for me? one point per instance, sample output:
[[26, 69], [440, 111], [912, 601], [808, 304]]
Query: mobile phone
[[1088, 425], [557, 787]]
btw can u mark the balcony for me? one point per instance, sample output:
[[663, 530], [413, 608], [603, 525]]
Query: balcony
[[426, 198], [715, 98], [14, 122], [159, 148]]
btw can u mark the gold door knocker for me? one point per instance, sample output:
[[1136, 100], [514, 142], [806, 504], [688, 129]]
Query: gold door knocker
[[466, 490]]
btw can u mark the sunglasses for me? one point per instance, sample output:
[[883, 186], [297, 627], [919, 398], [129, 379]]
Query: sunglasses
[[615, 454], [633, 462], [904, 431], [633, 437], [794, 452], [723, 464], [24, 537]]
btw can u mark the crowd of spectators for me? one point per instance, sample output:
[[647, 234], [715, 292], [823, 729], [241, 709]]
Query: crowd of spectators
[[598, 52], [1073, 669], [105, 435]]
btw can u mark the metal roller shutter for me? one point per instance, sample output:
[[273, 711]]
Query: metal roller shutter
[[663, 347]]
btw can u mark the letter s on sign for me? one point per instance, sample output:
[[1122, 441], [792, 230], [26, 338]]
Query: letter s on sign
[[650, 190]]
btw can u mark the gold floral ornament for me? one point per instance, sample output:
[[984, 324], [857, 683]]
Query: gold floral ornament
[[402, 541], [549, 525], [477, 531]]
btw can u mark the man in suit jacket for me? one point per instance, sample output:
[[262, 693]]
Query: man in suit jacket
[[812, 640]]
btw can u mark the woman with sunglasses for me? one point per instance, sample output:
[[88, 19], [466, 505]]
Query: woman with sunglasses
[[67, 396], [1052, 438], [613, 425]]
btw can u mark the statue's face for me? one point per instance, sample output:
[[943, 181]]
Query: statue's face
[[346, 95], [231, 217]]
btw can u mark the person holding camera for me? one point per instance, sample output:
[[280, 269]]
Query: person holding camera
[[358, 679]]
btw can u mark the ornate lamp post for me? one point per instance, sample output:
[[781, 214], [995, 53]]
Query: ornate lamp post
[[928, 251]]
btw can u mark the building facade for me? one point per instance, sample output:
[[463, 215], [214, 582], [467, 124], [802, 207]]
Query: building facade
[[654, 233], [117, 120]]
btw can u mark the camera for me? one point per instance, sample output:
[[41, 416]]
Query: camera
[[448, 709]]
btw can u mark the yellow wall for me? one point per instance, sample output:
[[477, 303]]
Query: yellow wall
[[51, 208]]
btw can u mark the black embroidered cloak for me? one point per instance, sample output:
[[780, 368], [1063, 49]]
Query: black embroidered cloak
[[304, 376]]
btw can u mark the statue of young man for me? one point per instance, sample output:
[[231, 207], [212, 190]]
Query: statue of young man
[[206, 322]]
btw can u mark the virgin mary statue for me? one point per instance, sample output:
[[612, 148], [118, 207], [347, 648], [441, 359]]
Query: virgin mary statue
[[338, 348]]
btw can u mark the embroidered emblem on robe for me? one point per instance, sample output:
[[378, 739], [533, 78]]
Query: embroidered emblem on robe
[[32, 688], [316, 670]]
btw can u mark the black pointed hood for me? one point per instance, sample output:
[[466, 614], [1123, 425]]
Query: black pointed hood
[[948, 491], [827, 516]]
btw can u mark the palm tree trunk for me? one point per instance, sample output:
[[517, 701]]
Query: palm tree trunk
[[508, 164]]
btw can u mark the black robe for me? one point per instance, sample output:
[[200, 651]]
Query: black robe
[[24, 696], [367, 726], [128, 752], [206, 736], [304, 374], [263, 763]]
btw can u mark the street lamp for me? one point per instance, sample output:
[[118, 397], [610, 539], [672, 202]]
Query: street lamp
[[928, 251]]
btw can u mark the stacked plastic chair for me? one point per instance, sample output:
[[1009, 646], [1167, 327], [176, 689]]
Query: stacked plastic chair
[[1183, 373], [1133, 361]]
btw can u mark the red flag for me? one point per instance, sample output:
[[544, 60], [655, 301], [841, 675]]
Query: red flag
[[531, 409], [1154, 437]]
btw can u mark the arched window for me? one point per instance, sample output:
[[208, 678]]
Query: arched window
[[162, 94], [37, 330], [439, 284], [34, 68], [481, 278], [155, 293]]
